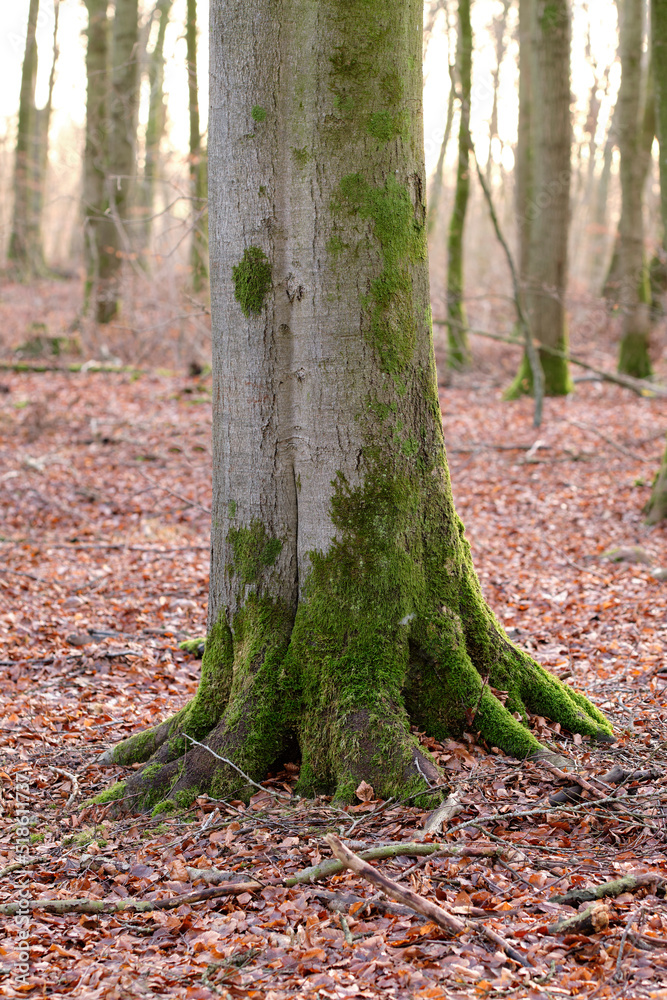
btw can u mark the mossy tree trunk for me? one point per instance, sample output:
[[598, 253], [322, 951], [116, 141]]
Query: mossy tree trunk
[[458, 353], [198, 163], [544, 213], [633, 290], [343, 601], [95, 150], [656, 509], [25, 245], [114, 226]]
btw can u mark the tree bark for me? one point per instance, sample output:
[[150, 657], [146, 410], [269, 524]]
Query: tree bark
[[633, 291], [114, 225], [198, 162], [25, 247], [656, 509], [544, 182], [343, 602], [155, 126], [458, 354], [95, 151]]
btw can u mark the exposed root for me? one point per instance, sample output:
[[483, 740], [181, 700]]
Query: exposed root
[[257, 706]]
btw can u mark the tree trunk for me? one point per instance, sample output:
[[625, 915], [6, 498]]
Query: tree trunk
[[115, 244], [545, 223], [198, 164], [656, 509], [25, 247], [155, 126], [95, 151], [458, 353], [633, 292], [343, 601]]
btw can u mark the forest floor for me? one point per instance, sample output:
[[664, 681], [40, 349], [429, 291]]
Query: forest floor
[[104, 526]]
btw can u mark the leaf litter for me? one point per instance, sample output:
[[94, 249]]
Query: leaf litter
[[104, 499]]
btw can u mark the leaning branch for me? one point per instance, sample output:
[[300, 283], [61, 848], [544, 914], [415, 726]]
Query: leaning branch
[[640, 386], [417, 903]]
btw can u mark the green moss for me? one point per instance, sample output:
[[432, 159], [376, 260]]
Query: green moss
[[633, 358], [335, 246], [111, 794], [300, 156], [165, 806], [151, 770], [231, 509], [252, 280], [193, 646], [557, 380], [402, 242], [385, 126], [258, 113], [254, 550]]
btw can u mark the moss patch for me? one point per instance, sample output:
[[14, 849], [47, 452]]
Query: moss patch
[[252, 280], [254, 550], [110, 794], [258, 114], [402, 242]]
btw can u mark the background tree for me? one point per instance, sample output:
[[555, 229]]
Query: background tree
[[111, 229], [545, 141], [155, 126], [95, 150], [633, 287], [25, 246], [657, 506], [198, 162], [458, 353], [343, 601]]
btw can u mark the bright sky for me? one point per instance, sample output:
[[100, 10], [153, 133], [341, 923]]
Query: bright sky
[[69, 99], [70, 89]]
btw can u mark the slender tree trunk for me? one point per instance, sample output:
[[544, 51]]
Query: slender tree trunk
[[155, 125], [343, 601], [498, 28], [438, 175], [525, 152], [458, 354], [198, 163], [114, 227], [633, 293], [25, 250], [42, 127], [656, 509], [94, 200], [544, 229]]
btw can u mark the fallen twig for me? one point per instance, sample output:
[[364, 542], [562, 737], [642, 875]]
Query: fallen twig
[[63, 906], [308, 875], [591, 920], [73, 779], [435, 821], [225, 760], [409, 898], [636, 914], [331, 866], [626, 884]]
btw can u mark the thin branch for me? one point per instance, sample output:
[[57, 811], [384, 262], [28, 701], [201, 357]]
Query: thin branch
[[416, 902], [642, 387], [225, 760]]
